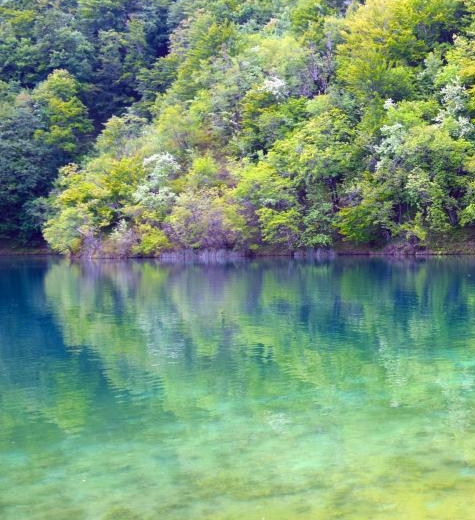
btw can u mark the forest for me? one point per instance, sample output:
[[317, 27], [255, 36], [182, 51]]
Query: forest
[[133, 127]]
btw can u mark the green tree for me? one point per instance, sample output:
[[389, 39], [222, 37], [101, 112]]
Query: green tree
[[66, 125]]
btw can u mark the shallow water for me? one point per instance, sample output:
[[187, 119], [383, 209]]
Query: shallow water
[[271, 390]]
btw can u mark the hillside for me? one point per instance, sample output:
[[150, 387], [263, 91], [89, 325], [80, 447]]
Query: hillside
[[130, 128]]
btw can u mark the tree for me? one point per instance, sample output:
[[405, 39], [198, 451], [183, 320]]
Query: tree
[[383, 40], [65, 122], [27, 168]]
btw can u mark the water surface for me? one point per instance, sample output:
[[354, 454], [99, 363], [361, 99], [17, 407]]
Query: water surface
[[271, 390]]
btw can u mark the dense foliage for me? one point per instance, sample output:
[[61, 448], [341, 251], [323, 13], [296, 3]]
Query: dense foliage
[[278, 124], [65, 68]]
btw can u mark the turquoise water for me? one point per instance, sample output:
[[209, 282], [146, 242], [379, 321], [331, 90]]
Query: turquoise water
[[272, 390]]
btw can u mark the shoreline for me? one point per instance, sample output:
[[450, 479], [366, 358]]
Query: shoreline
[[220, 255], [459, 243], [26, 251]]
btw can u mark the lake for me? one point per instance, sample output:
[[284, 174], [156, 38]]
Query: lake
[[253, 390]]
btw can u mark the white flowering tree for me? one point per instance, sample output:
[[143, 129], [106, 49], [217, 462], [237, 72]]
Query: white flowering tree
[[153, 193], [275, 86], [453, 114]]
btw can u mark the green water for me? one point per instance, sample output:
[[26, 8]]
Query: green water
[[268, 390]]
